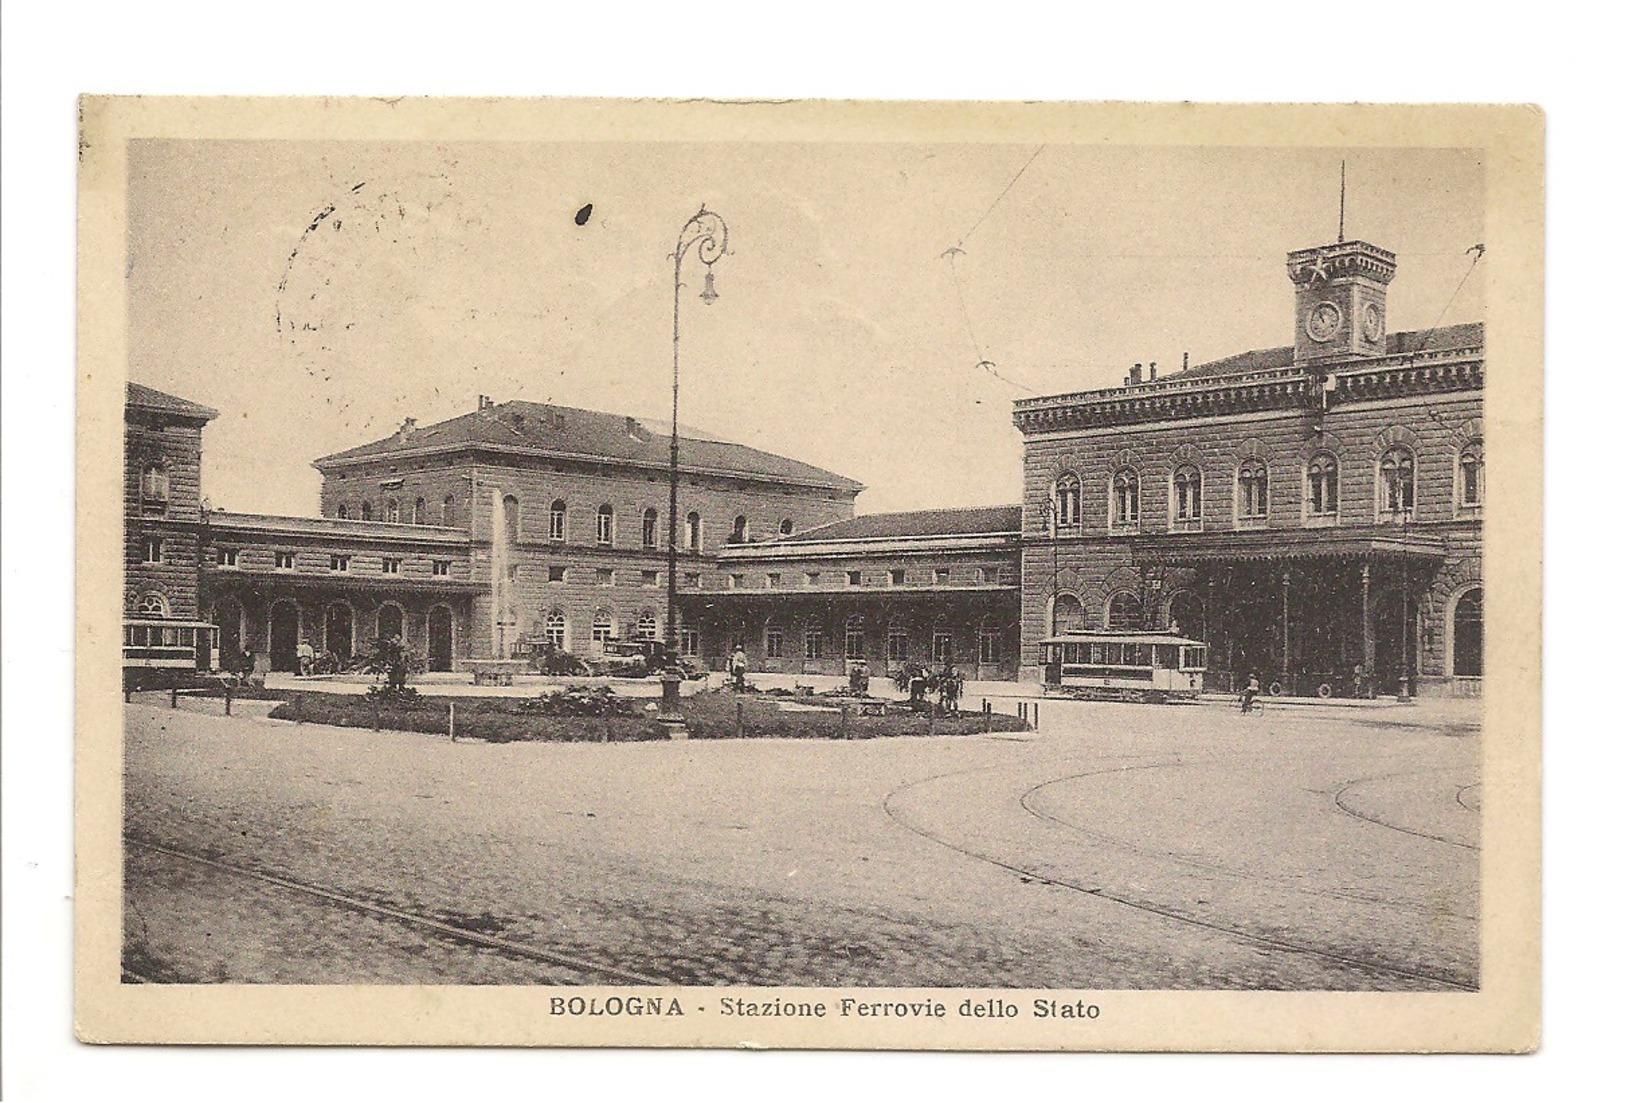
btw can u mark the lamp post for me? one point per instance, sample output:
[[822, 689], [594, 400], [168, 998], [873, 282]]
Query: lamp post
[[707, 231]]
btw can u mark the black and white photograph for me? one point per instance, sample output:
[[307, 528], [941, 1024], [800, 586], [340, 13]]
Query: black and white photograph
[[853, 588]]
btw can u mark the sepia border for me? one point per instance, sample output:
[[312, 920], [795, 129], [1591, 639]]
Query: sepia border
[[1502, 1016]]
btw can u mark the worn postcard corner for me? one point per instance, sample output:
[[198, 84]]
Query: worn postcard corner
[[875, 576]]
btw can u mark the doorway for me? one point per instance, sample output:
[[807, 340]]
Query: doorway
[[285, 636], [340, 631], [440, 639]]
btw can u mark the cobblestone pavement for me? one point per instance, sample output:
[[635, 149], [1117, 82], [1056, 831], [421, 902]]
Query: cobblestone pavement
[[1123, 846]]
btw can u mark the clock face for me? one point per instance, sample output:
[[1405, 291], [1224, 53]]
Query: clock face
[[1325, 320], [1371, 322]]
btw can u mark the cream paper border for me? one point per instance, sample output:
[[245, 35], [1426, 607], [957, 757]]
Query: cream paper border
[[1504, 1015]]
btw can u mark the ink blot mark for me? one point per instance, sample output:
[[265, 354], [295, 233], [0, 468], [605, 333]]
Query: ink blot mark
[[583, 214]]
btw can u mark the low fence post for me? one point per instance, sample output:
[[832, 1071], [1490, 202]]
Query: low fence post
[[451, 720], [174, 697], [1035, 716], [228, 698], [987, 716]]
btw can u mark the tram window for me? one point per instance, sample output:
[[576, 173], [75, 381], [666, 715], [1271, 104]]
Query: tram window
[[1195, 658], [1114, 654], [1137, 654], [1167, 655]]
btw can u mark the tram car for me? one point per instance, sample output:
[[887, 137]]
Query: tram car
[[1124, 666]]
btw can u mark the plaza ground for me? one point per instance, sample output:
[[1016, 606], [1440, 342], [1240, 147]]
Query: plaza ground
[[1120, 846]]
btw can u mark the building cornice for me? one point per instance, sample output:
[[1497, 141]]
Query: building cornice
[[1287, 388]]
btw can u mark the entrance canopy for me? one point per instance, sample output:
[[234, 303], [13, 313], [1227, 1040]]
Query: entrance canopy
[[1366, 542]]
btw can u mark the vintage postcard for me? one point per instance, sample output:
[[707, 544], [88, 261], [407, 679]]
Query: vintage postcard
[[832, 575]]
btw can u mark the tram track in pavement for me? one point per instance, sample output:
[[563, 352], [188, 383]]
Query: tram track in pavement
[[1286, 882], [1342, 806], [1151, 907], [416, 921]]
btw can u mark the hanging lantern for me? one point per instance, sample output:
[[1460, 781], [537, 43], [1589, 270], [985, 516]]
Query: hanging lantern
[[709, 295]]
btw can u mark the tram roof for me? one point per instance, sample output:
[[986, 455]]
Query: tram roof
[[1123, 637]]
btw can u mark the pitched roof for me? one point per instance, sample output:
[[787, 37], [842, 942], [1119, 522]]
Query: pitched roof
[[965, 521], [1467, 334], [139, 397], [568, 431]]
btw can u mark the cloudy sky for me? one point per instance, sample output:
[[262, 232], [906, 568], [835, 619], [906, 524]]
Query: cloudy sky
[[318, 293]]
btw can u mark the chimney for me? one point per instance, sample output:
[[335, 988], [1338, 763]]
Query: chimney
[[1134, 375], [485, 402], [1186, 365], [1153, 371]]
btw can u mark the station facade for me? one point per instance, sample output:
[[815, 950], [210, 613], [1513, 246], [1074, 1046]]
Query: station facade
[[1313, 512]]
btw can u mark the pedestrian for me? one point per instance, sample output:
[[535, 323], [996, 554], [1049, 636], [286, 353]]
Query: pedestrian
[[1249, 694], [307, 657], [952, 685], [736, 667]]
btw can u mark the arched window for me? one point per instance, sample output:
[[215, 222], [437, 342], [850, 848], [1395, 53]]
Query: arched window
[[344, 511], [1187, 495], [553, 629], [942, 643], [772, 641], [786, 527], [510, 518], [606, 524], [648, 625], [741, 530], [152, 605], [555, 520], [1323, 485], [1470, 475], [1253, 489], [1396, 484], [448, 511], [1066, 615], [1186, 616], [854, 636], [1066, 500], [603, 628], [1467, 635], [1123, 612], [693, 533], [813, 641], [1126, 499], [420, 512], [896, 642], [651, 526], [392, 511], [366, 511]]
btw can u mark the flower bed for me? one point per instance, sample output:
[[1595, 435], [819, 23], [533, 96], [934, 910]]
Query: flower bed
[[596, 715]]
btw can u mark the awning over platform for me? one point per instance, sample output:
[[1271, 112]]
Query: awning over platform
[[1362, 543]]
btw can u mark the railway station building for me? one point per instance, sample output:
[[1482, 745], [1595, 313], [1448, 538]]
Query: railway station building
[[1313, 511]]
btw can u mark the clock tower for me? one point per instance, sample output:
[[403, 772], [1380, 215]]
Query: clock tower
[[1342, 300]]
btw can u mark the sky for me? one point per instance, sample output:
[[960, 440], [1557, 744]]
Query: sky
[[881, 305]]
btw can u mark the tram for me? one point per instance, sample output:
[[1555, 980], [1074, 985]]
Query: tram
[[1124, 666]]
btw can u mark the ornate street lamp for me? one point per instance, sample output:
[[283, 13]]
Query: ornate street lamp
[[709, 233]]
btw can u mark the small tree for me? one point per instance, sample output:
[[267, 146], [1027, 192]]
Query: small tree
[[391, 659]]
